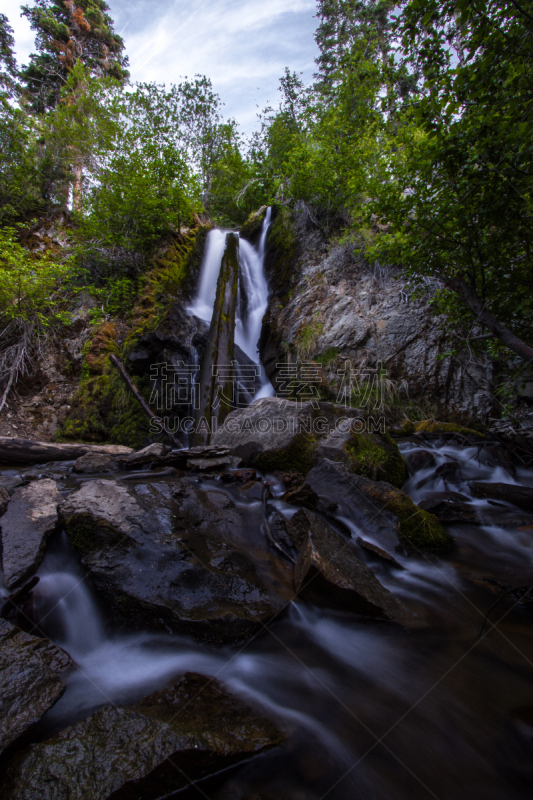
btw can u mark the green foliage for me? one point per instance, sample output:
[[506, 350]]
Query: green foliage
[[32, 289], [8, 64]]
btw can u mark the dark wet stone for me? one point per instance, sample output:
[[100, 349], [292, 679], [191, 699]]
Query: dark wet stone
[[301, 495], [419, 459], [30, 518], [151, 750], [239, 476], [378, 510], [521, 496], [450, 508], [95, 462], [253, 490], [377, 551], [167, 556], [329, 573], [291, 479], [30, 683]]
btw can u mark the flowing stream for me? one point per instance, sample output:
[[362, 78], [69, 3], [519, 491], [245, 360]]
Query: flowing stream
[[374, 711]]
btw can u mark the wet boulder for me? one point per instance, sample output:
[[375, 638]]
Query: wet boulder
[[151, 750], [284, 437], [95, 462], [450, 508], [154, 453], [30, 518], [521, 496], [420, 459], [377, 511], [373, 455], [30, 680], [169, 557], [329, 573]]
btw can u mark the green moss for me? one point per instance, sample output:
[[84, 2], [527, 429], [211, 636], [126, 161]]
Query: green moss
[[298, 456], [103, 410], [281, 253], [251, 230], [418, 530], [430, 426], [377, 457], [326, 358], [404, 428]]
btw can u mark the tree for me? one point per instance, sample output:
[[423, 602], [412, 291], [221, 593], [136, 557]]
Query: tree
[[68, 32], [344, 23], [8, 64], [459, 181]]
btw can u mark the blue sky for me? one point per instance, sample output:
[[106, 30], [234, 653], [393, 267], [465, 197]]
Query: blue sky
[[242, 45]]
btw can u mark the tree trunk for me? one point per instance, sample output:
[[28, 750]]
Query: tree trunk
[[140, 399], [77, 187], [484, 317]]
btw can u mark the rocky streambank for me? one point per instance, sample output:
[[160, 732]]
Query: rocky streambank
[[217, 546]]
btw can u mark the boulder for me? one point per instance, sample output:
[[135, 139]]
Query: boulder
[[30, 518], [380, 512], [450, 508], [147, 751], [329, 573], [95, 462], [153, 453], [30, 683], [420, 459], [169, 557], [283, 437], [521, 496]]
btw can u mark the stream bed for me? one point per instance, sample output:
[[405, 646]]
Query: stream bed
[[372, 710]]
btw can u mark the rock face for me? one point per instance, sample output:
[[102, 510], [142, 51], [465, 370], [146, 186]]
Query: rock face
[[29, 520], [148, 751], [329, 573], [276, 434], [521, 496], [216, 391], [30, 683], [328, 304], [382, 514], [169, 557]]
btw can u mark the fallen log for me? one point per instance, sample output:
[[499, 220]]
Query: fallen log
[[27, 451], [138, 396]]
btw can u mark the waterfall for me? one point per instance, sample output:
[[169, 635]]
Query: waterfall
[[252, 299]]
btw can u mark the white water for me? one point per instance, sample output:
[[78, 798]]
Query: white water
[[252, 298], [204, 301]]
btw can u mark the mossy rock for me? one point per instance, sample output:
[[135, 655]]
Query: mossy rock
[[418, 530], [403, 428], [251, 230], [376, 457], [430, 426], [298, 456], [281, 254]]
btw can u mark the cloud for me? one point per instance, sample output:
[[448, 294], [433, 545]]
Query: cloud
[[242, 45]]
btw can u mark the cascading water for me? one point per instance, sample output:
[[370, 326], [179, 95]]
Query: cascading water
[[373, 711], [252, 301]]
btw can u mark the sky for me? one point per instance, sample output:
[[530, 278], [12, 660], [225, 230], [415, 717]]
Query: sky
[[242, 45]]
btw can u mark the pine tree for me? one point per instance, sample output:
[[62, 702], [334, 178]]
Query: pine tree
[[8, 65], [68, 32], [342, 24]]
